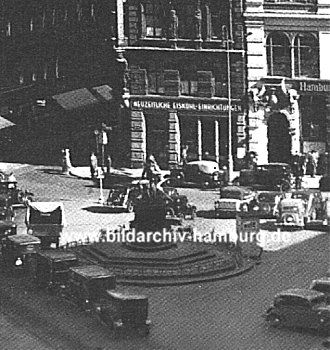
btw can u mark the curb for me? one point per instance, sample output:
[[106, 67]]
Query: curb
[[177, 282]]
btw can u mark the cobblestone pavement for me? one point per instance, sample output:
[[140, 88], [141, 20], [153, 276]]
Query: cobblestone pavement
[[218, 315]]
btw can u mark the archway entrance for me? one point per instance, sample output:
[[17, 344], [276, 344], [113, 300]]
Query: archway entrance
[[279, 139]]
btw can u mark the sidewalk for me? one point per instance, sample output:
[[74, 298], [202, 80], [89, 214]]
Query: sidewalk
[[84, 172]]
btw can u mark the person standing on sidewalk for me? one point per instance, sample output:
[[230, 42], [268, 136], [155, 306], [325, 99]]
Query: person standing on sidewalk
[[108, 165], [93, 165]]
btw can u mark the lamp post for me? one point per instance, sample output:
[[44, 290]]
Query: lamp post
[[230, 126]]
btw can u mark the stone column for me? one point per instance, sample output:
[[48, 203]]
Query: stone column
[[138, 139], [199, 139], [216, 140], [174, 139]]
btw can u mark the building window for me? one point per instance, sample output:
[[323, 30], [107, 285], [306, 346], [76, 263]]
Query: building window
[[278, 55], [155, 76], [188, 79], [219, 17], [185, 13], [154, 16], [306, 56]]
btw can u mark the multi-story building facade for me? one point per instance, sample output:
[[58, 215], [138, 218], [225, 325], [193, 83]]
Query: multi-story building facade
[[289, 77], [61, 54], [185, 70]]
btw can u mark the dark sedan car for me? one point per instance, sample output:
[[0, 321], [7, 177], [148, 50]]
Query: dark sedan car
[[300, 308], [265, 204]]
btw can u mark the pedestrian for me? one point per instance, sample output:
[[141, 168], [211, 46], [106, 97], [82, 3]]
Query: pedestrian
[[314, 160], [109, 162], [184, 155], [93, 165]]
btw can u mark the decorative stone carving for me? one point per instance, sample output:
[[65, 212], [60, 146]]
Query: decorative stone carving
[[198, 24], [173, 25]]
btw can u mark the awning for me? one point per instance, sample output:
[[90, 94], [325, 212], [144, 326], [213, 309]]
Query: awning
[[75, 99], [5, 123], [105, 91]]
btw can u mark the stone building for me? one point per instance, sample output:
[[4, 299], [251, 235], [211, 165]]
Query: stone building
[[288, 77], [185, 69]]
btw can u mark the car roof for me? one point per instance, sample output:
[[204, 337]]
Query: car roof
[[24, 239], [125, 295], [322, 280], [92, 271], [61, 255], [203, 162], [308, 294], [236, 189]]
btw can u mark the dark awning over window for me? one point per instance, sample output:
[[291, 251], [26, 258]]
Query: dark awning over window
[[75, 99]]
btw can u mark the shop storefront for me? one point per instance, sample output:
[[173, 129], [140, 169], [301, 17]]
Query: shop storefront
[[162, 127]]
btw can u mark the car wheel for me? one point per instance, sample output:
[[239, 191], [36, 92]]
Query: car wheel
[[274, 320], [130, 207], [285, 186]]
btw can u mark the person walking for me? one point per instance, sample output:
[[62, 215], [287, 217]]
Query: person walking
[[109, 163], [314, 160], [151, 169], [93, 165], [184, 155]]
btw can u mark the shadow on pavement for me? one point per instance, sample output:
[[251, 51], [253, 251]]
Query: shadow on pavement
[[98, 209]]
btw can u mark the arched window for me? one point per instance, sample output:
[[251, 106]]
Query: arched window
[[306, 56], [278, 55]]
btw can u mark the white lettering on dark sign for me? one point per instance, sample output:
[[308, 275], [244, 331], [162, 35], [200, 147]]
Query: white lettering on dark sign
[[314, 87], [187, 106]]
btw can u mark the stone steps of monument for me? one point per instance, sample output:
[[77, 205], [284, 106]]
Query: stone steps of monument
[[165, 282], [189, 259]]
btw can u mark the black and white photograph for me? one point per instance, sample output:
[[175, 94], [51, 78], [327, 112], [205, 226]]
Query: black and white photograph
[[164, 174]]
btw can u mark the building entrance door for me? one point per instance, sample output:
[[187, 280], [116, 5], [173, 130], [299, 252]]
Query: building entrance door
[[279, 139], [157, 138]]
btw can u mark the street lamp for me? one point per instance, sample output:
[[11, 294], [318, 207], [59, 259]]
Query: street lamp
[[230, 126]]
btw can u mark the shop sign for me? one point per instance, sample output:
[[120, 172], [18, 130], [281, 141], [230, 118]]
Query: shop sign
[[186, 106], [312, 86]]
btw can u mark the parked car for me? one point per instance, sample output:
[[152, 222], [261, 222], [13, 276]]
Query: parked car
[[15, 195], [123, 197], [6, 209], [45, 220], [322, 285], [52, 268], [203, 173], [267, 177], [300, 308], [300, 208], [178, 205], [265, 204], [233, 200], [125, 312], [19, 251], [87, 285]]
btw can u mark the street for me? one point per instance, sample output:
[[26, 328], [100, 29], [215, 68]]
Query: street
[[218, 315]]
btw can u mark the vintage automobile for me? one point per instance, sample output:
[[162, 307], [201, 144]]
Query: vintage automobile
[[265, 204], [19, 251], [123, 197], [203, 173], [52, 268], [300, 308], [267, 177], [179, 206], [15, 195], [233, 200], [45, 220], [322, 285], [7, 228], [125, 312], [300, 208], [6, 209], [87, 285]]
